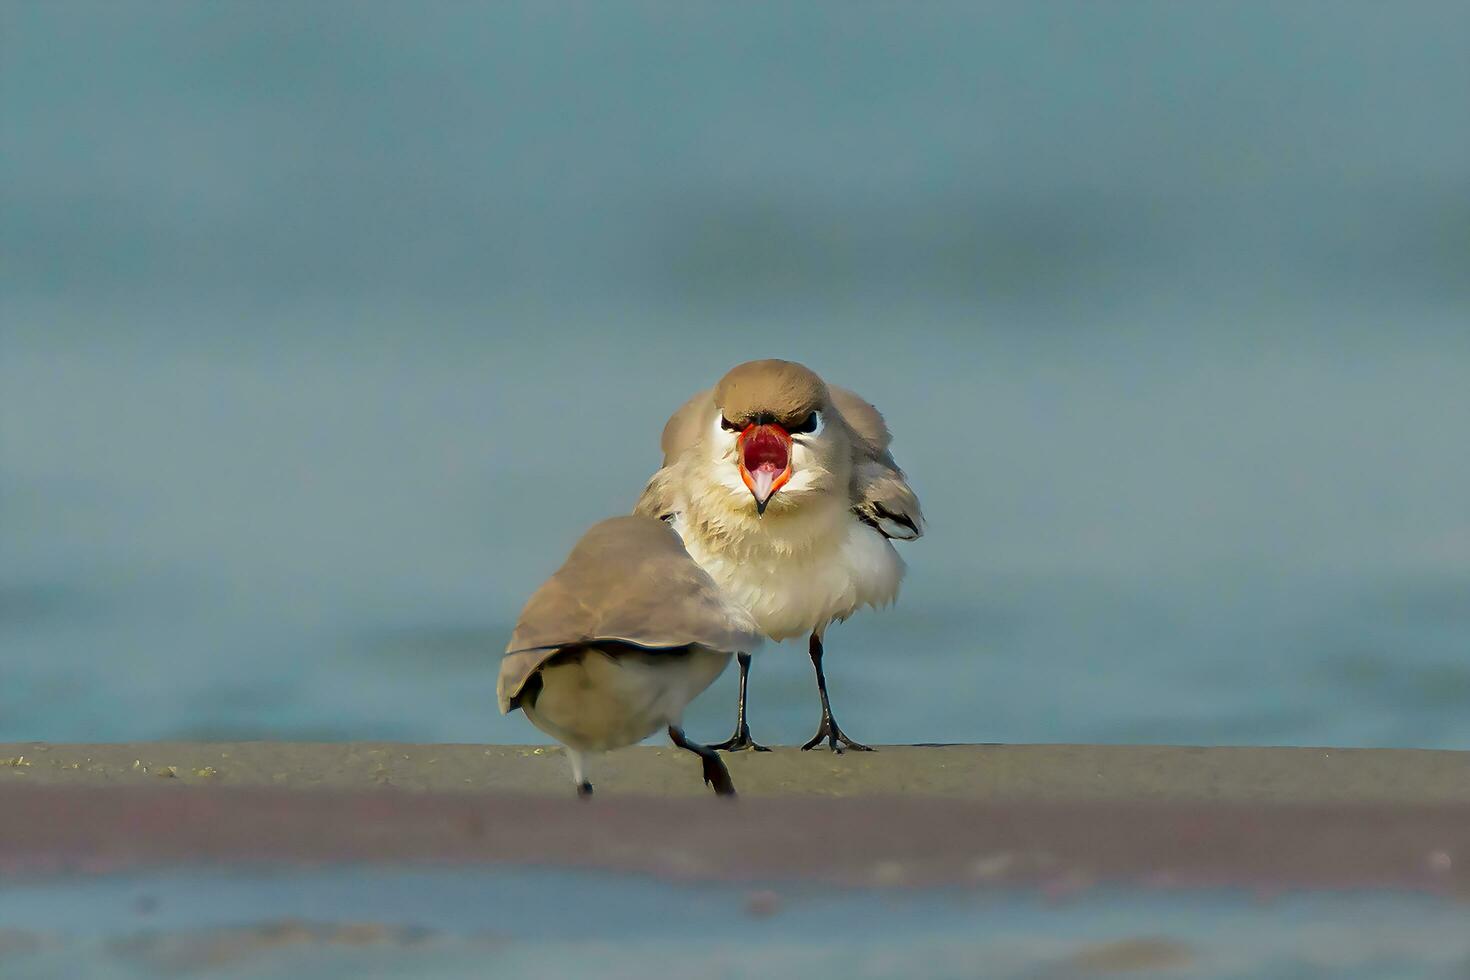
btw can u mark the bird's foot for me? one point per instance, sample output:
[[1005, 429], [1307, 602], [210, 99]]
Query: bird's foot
[[717, 776], [740, 742], [835, 738], [715, 773]]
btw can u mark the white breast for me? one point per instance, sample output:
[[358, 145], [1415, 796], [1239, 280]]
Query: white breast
[[797, 574]]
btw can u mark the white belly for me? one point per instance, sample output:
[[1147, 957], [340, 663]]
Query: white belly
[[794, 590], [599, 701]]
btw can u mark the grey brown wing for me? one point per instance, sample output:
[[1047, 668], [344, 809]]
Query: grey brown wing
[[516, 669], [884, 499], [686, 425], [628, 580], [657, 498], [681, 432], [862, 418], [880, 491]]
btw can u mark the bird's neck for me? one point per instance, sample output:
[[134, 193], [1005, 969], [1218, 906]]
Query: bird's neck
[[719, 524]]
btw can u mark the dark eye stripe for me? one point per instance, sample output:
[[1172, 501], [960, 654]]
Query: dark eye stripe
[[805, 426]]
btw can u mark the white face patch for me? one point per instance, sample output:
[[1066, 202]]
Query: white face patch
[[814, 454], [812, 469], [723, 453], [722, 439]]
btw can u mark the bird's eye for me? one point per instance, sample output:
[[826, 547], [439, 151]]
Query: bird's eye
[[727, 425], [809, 424]]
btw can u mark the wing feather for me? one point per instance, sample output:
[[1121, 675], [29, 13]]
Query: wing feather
[[880, 491], [628, 580]]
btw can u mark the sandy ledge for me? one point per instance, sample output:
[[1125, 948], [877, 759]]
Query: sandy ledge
[[993, 773], [1062, 818]]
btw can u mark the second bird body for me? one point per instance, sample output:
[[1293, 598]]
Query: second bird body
[[618, 641], [603, 696]]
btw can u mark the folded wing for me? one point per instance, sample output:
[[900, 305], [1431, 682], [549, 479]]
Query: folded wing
[[628, 580], [881, 493]]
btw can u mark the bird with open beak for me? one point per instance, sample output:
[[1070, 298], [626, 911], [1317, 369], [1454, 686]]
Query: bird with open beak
[[618, 641], [783, 490]]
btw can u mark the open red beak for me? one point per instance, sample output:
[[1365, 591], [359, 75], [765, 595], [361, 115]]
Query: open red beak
[[765, 461]]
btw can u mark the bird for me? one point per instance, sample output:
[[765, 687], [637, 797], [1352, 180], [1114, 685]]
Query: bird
[[783, 489], [618, 641]]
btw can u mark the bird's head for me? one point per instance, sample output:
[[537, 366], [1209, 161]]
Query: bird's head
[[777, 436]]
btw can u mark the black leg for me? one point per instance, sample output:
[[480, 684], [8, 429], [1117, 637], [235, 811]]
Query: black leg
[[828, 730], [715, 773], [584, 789], [741, 740]]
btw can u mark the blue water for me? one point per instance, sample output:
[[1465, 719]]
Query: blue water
[[325, 329], [541, 923]]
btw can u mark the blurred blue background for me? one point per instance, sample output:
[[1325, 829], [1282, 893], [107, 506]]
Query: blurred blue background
[[328, 327]]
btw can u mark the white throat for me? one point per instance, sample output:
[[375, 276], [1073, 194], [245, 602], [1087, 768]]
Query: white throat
[[795, 570]]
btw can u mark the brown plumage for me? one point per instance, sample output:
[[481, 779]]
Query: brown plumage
[[879, 492], [784, 390], [628, 580], [798, 547], [620, 638]]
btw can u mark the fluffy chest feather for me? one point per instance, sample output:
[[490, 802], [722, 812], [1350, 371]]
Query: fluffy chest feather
[[797, 574]]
